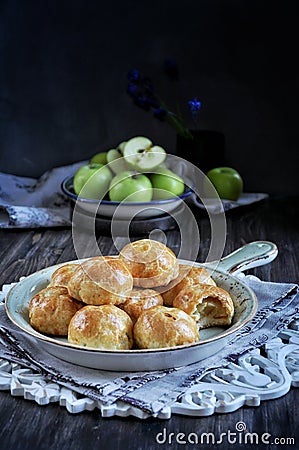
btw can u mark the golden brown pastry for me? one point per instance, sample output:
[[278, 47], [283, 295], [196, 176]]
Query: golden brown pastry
[[51, 310], [188, 276], [151, 263], [62, 275], [208, 305], [100, 281], [161, 326], [104, 327], [139, 300]]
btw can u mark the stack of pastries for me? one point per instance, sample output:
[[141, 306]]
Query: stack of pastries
[[142, 298]]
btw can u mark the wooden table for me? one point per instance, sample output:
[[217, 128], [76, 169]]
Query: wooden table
[[25, 425]]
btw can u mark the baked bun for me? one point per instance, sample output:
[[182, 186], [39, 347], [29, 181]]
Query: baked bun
[[51, 310], [208, 305], [100, 281], [160, 327], [62, 275], [151, 263], [105, 327], [188, 276], [139, 300]]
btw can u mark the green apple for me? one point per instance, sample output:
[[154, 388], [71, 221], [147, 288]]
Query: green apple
[[140, 153], [166, 184], [227, 182], [115, 158], [99, 158], [92, 181], [130, 186]]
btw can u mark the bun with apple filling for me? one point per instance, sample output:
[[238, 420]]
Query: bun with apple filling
[[139, 300], [51, 310], [105, 327], [161, 326], [151, 263], [188, 276], [208, 305], [62, 275], [101, 280]]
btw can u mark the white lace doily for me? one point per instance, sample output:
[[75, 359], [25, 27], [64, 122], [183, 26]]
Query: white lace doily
[[263, 374]]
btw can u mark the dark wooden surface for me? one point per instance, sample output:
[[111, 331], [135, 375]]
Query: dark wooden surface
[[25, 425]]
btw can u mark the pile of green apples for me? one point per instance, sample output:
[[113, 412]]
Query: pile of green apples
[[134, 171]]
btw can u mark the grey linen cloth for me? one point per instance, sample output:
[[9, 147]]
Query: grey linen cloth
[[36, 203], [152, 391], [33, 203]]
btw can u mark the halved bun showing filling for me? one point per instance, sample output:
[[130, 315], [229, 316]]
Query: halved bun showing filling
[[188, 276], [209, 305]]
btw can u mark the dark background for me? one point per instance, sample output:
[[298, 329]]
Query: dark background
[[63, 67]]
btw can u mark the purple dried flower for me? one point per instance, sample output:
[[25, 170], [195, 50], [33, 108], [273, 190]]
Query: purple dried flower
[[194, 105], [133, 75], [143, 102], [132, 89], [141, 90]]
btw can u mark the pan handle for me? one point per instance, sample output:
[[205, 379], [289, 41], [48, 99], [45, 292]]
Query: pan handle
[[251, 255]]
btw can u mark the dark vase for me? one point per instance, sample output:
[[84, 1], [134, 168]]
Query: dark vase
[[206, 150]]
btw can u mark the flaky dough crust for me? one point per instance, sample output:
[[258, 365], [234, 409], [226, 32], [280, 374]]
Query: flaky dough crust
[[100, 281], [139, 300], [51, 310], [160, 327], [208, 305], [103, 327], [188, 276], [62, 275], [151, 263]]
